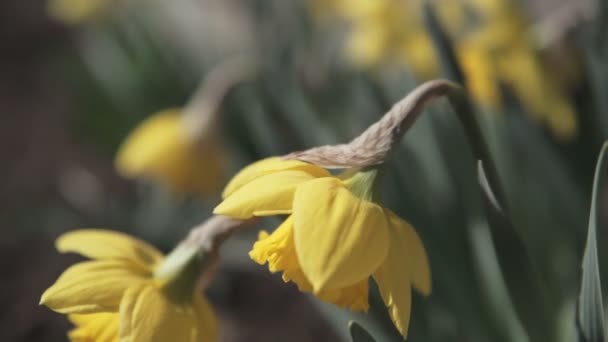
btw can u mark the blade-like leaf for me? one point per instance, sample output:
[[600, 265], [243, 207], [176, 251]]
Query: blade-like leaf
[[590, 315], [358, 333], [443, 47], [486, 188], [524, 283]]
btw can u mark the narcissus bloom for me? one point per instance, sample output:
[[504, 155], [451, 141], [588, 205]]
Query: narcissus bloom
[[335, 236], [161, 149], [129, 292], [494, 50]]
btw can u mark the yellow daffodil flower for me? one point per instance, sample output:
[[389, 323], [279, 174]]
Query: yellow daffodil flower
[[98, 327], [75, 12], [161, 149], [335, 236], [129, 292], [493, 47]]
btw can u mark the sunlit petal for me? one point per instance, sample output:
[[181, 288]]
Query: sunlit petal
[[278, 250], [107, 244], [92, 286], [99, 327], [407, 248], [340, 239], [146, 314], [263, 196], [395, 289], [269, 166], [405, 264]]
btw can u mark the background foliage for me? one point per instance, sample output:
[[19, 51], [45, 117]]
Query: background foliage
[[72, 93]]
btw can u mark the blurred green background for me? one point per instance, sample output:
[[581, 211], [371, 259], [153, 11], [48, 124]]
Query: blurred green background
[[74, 85]]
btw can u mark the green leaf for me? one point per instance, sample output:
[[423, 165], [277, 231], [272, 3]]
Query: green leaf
[[524, 284], [451, 69], [358, 333], [590, 310], [489, 195]]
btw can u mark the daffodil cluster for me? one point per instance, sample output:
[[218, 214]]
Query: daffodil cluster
[[335, 236], [491, 39], [129, 292], [161, 149]]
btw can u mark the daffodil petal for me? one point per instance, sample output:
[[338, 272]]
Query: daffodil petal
[[98, 327], [106, 244], [268, 166], [340, 239], [207, 322], [162, 149], [353, 297], [407, 247], [92, 286], [406, 264], [278, 250], [267, 195], [395, 289], [146, 314], [141, 149]]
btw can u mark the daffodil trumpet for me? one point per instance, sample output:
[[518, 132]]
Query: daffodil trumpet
[[130, 292], [180, 148]]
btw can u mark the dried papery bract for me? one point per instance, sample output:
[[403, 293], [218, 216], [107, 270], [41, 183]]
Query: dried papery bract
[[374, 145]]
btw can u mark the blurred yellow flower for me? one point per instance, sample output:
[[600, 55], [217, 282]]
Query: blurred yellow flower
[[77, 11], [161, 149], [491, 40], [335, 236], [121, 296]]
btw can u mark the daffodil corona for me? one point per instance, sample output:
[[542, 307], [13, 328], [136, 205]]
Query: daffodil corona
[[129, 292], [335, 235]]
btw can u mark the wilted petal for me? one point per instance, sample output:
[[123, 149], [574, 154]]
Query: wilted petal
[[267, 195], [269, 166], [92, 286], [340, 239], [107, 244]]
